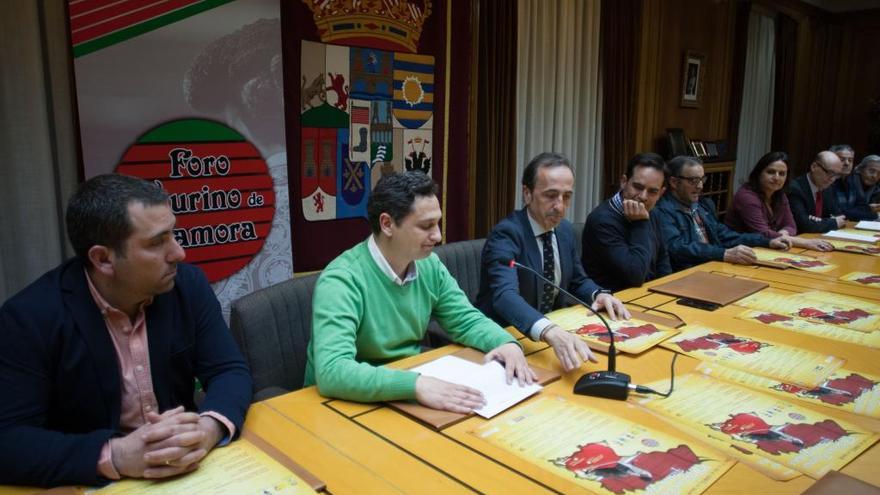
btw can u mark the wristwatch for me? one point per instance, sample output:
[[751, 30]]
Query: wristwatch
[[601, 291]]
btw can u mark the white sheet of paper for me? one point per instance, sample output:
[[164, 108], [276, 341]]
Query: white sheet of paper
[[836, 234], [868, 225], [488, 378]]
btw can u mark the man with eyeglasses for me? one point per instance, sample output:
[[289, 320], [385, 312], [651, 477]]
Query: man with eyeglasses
[[813, 202], [692, 232]]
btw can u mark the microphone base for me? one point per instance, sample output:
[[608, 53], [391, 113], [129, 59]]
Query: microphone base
[[605, 384]]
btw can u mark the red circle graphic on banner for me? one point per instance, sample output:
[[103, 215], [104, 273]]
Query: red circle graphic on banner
[[219, 189]]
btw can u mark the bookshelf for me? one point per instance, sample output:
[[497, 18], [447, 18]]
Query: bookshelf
[[719, 184]]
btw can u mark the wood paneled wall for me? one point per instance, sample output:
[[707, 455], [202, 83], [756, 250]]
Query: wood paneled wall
[[669, 29], [833, 71], [858, 80], [836, 71]]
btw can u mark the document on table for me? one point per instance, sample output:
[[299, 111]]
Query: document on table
[[868, 225], [631, 336], [489, 378], [600, 451], [785, 363], [240, 467], [850, 236], [737, 419]]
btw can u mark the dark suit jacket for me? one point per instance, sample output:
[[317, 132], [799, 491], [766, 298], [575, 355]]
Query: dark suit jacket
[[59, 373], [803, 204], [618, 253], [852, 198], [510, 295]]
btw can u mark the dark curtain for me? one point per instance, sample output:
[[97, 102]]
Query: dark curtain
[[493, 153], [783, 93], [618, 59], [457, 215], [743, 10]]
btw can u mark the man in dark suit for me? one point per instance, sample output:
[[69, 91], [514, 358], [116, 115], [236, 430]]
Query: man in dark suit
[[538, 236], [813, 201], [622, 243], [98, 357]]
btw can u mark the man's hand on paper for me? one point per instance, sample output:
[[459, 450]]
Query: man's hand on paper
[[817, 245], [515, 364], [741, 255], [612, 305], [183, 450], [783, 243], [570, 349], [438, 394], [173, 436]]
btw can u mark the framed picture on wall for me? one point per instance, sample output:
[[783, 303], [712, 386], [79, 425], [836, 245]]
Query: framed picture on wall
[[694, 67]]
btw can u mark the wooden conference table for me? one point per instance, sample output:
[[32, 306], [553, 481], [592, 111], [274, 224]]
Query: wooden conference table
[[371, 448]]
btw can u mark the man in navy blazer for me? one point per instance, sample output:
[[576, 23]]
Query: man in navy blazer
[[826, 168], [98, 357], [512, 296]]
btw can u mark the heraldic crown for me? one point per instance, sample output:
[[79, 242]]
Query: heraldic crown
[[387, 24]]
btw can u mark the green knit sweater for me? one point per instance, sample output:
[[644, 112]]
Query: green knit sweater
[[361, 320]]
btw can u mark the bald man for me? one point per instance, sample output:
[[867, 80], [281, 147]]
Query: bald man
[[813, 203]]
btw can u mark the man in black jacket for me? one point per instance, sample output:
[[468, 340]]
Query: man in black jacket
[[98, 356], [813, 202], [622, 243]]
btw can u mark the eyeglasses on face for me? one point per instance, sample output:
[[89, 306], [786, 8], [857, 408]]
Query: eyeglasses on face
[[694, 181], [830, 174]]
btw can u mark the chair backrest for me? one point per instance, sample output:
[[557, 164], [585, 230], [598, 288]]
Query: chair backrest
[[462, 259], [272, 327]]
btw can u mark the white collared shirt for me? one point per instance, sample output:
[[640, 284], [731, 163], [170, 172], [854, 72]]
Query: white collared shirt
[[813, 187], [412, 272], [539, 326]]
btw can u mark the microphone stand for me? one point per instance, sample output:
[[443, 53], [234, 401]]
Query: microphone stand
[[609, 384]]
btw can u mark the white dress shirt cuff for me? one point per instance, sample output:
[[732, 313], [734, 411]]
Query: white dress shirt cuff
[[538, 327]]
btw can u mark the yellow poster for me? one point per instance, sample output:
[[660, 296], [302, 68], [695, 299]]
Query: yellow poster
[[851, 391], [760, 357], [237, 468], [854, 247], [821, 307], [630, 336], [601, 452], [824, 330], [798, 261], [766, 426], [864, 278]]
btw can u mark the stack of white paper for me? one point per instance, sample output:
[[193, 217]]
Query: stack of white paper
[[847, 236], [868, 225], [489, 378]]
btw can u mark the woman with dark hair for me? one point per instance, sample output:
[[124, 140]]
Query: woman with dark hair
[[761, 206]]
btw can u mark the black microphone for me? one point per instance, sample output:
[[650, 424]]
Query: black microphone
[[608, 384]]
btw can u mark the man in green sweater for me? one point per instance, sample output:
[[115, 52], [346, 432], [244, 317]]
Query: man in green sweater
[[372, 304]]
